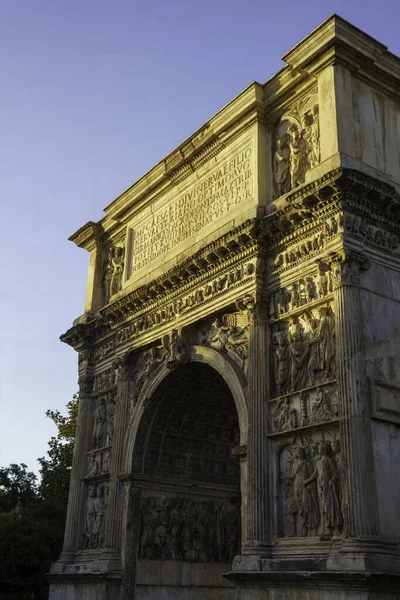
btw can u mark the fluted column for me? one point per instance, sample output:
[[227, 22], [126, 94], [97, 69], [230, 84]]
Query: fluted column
[[126, 390], [73, 536], [359, 491], [130, 540], [258, 530]]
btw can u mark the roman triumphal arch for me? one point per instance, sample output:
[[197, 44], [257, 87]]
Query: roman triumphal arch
[[239, 389]]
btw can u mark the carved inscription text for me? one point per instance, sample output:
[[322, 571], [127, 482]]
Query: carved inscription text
[[205, 202]]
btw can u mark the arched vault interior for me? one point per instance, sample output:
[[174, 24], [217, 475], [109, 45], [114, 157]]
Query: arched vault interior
[[188, 429]]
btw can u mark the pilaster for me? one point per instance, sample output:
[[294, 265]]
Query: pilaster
[[258, 529], [76, 496], [125, 392], [359, 493]]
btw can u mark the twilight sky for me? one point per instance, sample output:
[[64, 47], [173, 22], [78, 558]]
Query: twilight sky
[[93, 94]]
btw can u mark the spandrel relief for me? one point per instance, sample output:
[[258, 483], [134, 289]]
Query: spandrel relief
[[310, 488], [189, 529], [297, 145], [229, 334], [95, 515], [304, 350]]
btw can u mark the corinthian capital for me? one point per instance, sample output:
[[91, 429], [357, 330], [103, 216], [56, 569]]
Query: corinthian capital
[[85, 383], [256, 310], [346, 268]]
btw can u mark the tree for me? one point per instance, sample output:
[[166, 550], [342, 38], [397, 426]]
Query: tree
[[56, 467], [16, 484], [29, 545]]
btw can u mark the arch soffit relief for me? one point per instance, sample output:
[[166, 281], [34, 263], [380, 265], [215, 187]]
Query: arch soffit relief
[[228, 370]]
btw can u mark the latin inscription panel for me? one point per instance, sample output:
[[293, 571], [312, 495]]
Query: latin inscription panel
[[184, 215]]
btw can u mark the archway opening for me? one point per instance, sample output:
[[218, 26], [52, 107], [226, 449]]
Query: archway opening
[[188, 475]]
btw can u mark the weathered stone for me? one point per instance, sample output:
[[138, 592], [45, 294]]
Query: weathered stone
[[239, 352]]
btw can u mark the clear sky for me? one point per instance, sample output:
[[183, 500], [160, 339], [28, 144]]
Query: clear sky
[[93, 94]]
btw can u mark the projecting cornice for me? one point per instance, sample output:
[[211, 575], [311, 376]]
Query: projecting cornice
[[205, 143], [87, 236], [335, 42]]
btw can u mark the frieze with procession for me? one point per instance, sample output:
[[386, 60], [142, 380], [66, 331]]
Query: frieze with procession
[[189, 529]]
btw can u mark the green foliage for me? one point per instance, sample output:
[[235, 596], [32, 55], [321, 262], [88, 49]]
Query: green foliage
[[56, 467], [29, 545], [16, 484]]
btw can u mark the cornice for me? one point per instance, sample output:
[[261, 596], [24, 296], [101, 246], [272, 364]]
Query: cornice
[[205, 143], [343, 187], [87, 236], [334, 42], [178, 280]]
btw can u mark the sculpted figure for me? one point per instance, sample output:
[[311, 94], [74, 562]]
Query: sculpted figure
[[237, 341], [282, 365], [147, 538], [92, 466], [98, 525], [326, 476], [106, 462], [314, 361], [285, 416], [322, 409], [179, 350], [99, 427], [298, 353], [110, 420], [323, 285], [295, 296], [310, 289], [327, 345], [311, 134], [298, 156], [230, 531], [306, 497], [282, 167], [283, 301], [90, 516], [117, 260]]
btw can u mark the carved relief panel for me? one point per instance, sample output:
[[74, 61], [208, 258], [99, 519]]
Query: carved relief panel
[[297, 144], [310, 486], [95, 515], [189, 529], [304, 350]]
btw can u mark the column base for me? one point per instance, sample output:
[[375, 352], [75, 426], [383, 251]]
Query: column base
[[84, 586], [106, 560]]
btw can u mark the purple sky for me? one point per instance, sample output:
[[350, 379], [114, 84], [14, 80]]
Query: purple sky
[[93, 94]]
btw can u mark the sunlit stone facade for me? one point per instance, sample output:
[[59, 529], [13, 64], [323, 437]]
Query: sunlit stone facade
[[238, 429]]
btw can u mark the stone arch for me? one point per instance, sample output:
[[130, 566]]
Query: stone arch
[[223, 365]]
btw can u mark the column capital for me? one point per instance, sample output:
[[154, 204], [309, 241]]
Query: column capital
[[256, 310], [124, 365], [85, 383], [346, 268]]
